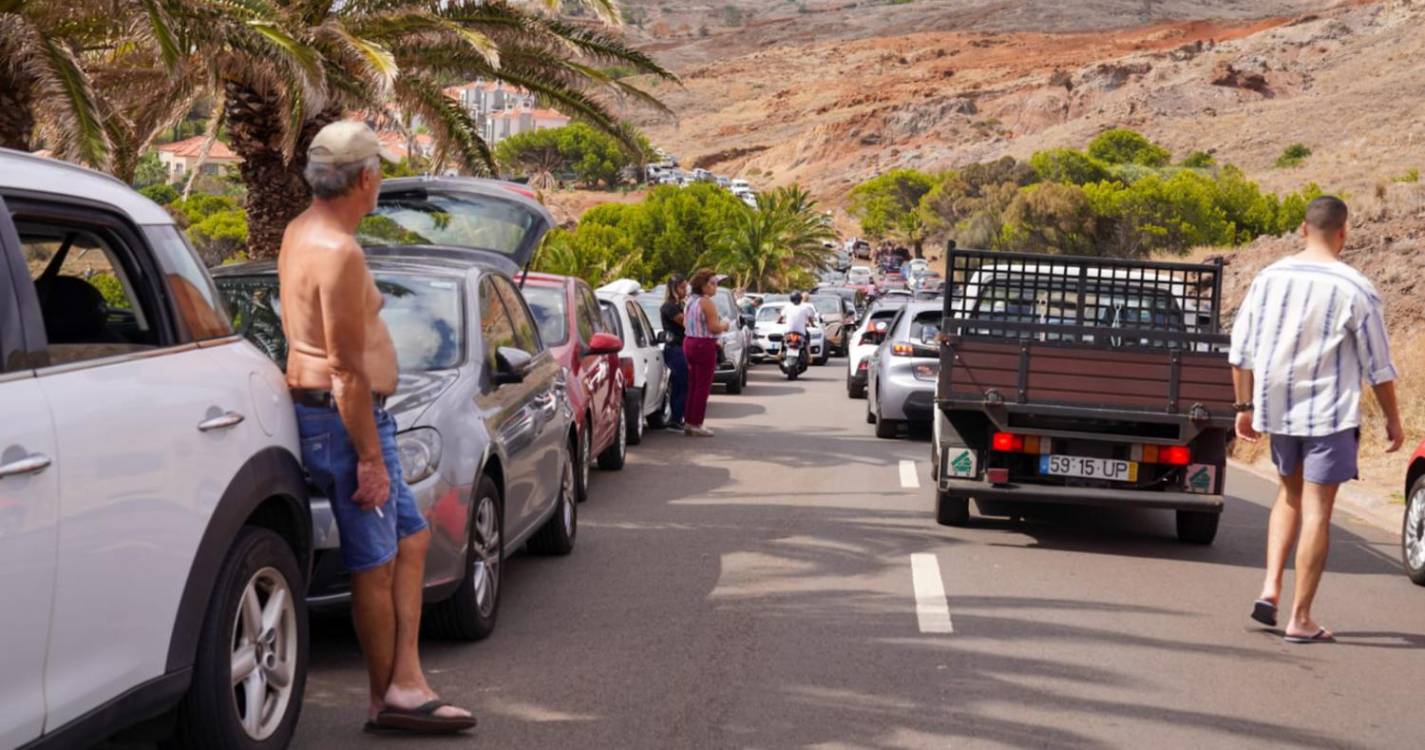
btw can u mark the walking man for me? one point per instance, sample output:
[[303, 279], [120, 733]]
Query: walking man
[[1310, 329], [341, 367]]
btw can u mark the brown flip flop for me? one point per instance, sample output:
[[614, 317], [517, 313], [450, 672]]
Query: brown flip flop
[[422, 719]]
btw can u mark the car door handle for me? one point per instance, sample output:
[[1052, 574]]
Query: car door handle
[[222, 422], [31, 464]]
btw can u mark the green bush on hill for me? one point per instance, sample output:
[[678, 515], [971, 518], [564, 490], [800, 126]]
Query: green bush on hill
[[1119, 198]]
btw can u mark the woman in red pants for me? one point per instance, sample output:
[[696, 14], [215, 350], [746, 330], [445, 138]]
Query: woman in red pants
[[701, 328]]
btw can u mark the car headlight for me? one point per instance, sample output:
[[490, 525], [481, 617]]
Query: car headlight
[[420, 453]]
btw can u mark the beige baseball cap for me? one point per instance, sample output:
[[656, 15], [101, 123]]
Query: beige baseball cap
[[347, 142]]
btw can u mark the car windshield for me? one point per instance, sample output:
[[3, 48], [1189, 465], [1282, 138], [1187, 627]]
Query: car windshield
[[423, 314], [827, 305], [419, 217], [547, 304], [769, 314], [725, 308]]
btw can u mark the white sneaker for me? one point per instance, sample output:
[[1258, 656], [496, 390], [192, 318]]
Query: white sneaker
[[692, 431]]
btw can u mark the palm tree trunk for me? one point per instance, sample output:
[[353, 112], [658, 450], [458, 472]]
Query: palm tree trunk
[[17, 121], [276, 190]]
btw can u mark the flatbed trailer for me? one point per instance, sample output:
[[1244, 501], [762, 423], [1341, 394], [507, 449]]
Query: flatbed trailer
[[1083, 381]]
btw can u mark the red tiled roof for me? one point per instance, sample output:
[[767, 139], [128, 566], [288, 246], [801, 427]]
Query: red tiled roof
[[192, 147]]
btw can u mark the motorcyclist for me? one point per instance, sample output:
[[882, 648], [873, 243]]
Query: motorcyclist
[[799, 317]]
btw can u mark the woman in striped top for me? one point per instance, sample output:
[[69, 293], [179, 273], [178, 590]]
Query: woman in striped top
[[701, 329]]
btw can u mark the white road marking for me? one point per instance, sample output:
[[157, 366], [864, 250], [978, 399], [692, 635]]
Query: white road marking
[[931, 608], [909, 478]]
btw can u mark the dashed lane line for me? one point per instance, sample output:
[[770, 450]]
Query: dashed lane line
[[910, 479], [932, 611]]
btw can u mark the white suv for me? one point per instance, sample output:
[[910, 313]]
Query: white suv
[[154, 528]]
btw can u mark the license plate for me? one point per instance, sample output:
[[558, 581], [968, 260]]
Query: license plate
[[1089, 468]]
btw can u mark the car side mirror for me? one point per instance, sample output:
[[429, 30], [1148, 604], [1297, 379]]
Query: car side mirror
[[511, 365], [604, 343], [661, 337]]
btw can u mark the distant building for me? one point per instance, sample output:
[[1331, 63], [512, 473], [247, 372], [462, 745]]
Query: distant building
[[181, 157], [420, 145], [501, 110]]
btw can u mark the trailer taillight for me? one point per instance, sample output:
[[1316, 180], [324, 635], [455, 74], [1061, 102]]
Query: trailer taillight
[[1008, 442], [1172, 455]]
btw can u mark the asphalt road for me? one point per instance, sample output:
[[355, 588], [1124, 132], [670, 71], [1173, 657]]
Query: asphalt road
[[755, 590]]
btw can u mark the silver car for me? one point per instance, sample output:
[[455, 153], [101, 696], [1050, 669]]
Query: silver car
[[901, 373], [484, 427]]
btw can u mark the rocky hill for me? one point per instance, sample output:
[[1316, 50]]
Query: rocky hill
[[838, 92]]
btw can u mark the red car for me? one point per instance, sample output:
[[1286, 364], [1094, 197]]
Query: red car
[[1412, 535], [574, 330]]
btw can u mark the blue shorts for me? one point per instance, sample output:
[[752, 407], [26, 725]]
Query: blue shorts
[[1330, 459], [368, 538]]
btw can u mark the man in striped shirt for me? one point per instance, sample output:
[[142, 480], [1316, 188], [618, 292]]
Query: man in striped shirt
[[1309, 331]]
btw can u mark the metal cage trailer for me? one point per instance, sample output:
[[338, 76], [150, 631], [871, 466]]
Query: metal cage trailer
[[1081, 381]]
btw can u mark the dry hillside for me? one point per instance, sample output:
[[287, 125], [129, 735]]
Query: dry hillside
[[837, 94]]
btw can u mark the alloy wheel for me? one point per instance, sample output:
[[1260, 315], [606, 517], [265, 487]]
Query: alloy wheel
[[566, 497], [486, 575], [264, 653], [1415, 531]]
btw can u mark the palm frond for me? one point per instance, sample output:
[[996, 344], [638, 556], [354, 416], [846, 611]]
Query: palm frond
[[450, 124], [78, 131]]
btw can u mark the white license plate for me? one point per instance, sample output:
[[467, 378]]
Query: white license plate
[[1089, 468]]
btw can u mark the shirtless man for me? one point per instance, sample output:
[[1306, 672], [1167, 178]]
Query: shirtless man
[[341, 366]]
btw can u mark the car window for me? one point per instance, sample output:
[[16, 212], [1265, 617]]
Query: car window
[[526, 330], [200, 309], [725, 307], [642, 334], [86, 278], [653, 305], [547, 305], [586, 316], [925, 325], [419, 217], [610, 318], [497, 329], [827, 305], [423, 314]]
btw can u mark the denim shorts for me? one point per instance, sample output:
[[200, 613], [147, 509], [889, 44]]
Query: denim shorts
[[1329, 459], [368, 538]]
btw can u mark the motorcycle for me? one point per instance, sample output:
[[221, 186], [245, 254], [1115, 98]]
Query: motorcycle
[[794, 356]]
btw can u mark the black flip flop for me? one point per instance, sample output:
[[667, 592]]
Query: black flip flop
[[1264, 612], [422, 719], [1320, 636]]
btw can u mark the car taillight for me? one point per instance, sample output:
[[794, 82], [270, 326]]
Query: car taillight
[[626, 365], [1008, 442], [862, 365], [1172, 455], [902, 350]]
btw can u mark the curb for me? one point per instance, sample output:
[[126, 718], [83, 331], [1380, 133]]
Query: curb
[[1363, 503]]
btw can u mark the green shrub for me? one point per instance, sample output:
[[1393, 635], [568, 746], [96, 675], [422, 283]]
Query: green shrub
[[1199, 160], [1068, 166], [1412, 175], [160, 193], [1123, 146], [1293, 156], [112, 289]]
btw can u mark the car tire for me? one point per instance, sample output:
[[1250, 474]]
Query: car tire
[[556, 536], [584, 447], [853, 390], [633, 417], [951, 510], [1197, 527], [870, 415], [739, 379], [469, 614], [888, 429], [664, 416], [613, 457], [1412, 536], [260, 562]]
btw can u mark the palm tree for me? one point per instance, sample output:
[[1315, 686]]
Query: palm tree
[[44, 89], [776, 245], [285, 68]]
